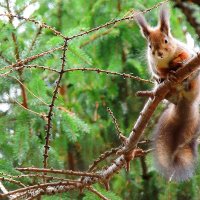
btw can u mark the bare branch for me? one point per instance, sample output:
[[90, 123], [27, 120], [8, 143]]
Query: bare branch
[[145, 94], [56, 171], [29, 59], [50, 114], [34, 39], [119, 133], [102, 157], [124, 75], [108, 72], [27, 109], [34, 187], [12, 181]]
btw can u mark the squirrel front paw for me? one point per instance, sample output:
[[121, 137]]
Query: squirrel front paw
[[158, 80], [171, 76]]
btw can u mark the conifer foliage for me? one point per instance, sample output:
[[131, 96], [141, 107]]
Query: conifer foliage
[[69, 72]]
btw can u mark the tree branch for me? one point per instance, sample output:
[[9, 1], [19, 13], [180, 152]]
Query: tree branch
[[51, 106]]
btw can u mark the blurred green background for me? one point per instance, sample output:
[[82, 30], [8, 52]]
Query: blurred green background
[[82, 128]]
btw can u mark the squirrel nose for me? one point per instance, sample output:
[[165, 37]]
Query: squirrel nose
[[160, 54]]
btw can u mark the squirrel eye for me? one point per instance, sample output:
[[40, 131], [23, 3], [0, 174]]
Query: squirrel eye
[[166, 41], [150, 46]]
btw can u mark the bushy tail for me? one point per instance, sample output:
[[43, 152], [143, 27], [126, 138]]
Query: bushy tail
[[177, 167], [175, 141]]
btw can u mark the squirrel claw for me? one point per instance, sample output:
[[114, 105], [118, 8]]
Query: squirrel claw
[[176, 65], [158, 80], [172, 76]]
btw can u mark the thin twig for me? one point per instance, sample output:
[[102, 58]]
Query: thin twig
[[102, 157], [37, 67], [34, 187], [34, 40], [59, 13], [27, 109], [29, 90], [6, 73], [108, 72], [17, 57], [124, 75], [12, 181], [50, 113], [57, 171], [97, 193], [119, 133], [29, 59], [49, 178]]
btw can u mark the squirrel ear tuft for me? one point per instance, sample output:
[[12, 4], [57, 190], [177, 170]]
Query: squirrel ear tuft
[[139, 18], [164, 19]]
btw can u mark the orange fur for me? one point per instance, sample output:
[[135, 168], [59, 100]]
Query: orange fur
[[173, 65]]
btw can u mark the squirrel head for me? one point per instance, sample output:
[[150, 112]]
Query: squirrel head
[[161, 44]]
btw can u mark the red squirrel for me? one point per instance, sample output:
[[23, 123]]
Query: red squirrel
[[175, 138]]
